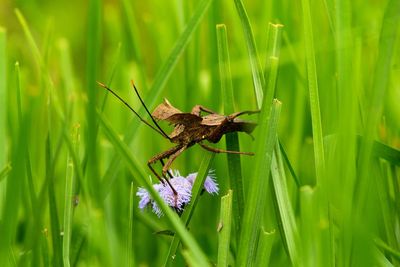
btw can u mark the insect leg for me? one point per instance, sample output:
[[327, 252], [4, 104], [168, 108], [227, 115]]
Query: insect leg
[[172, 158], [237, 114], [198, 108], [169, 172], [217, 150], [161, 156]]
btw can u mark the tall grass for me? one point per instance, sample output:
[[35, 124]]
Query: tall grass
[[321, 190]]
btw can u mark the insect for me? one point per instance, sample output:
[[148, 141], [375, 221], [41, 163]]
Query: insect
[[189, 129]]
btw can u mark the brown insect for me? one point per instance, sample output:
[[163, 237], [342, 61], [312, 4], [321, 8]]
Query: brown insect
[[189, 129]]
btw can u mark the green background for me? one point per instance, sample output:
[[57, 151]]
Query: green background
[[72, 157]]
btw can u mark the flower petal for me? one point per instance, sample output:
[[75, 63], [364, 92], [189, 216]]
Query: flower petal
[[183, 187]]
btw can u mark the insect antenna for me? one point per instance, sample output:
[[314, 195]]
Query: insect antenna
[[126, 104], [148, 112]]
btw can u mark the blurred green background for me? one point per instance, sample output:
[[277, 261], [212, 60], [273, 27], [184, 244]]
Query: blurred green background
[[338, 204]]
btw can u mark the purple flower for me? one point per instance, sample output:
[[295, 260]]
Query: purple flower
[[183, 187], [210, 184]]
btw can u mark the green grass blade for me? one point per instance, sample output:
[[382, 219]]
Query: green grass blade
[[139, 176], [188, 212], [54, 218], [31, 186], [265, 242], [78, 242], [389, 33], [225, 225], [13, 192], [3, 112], [91, 149], [317, 132], [287, 216], [381, 172], [134, 38], [232, 140], [3, 91], [130, 253], [319, 155], [258, 78], [190, 258], [272, 61], [31, 41], [5, 171], [386, 152], [379, 150], [289, 165], [265, 142], [225, 69], [309, 226], [393, 252], [68, 200], [45, 249], [68, 79], [342, 167]]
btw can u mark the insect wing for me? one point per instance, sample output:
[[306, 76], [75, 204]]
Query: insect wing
[[184, 119], [213, 119], [164, 111]]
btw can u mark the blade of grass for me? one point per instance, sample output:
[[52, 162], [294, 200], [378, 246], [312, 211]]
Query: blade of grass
[[232, 140], [319, 155], [3, 113], [258, 78], [270, 74], [54, 218], [308, 226], [130, 253], [33, 237], [68, 199], [289, 165], [31, 41], [189, 258], [379, 150], [68, 78], [380, 258], [148, 221], [113, 70], [265, 142], [324, 237], [287, 217], [14, 184], [386, 152], [264, 99], [272, 52], [134, 38], [5, 171], [139, 176], [93, 41], [381, 172], [188, 212], [393, 252], [31, 186], [224, 233], [389, 33], [272, 63], [3, 97], [265, 242], [342, 166], [43, 241], [79, 240]]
